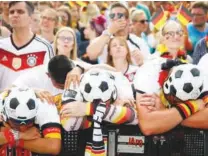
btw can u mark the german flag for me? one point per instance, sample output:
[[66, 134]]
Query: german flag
[[159, 19], [184, 16]]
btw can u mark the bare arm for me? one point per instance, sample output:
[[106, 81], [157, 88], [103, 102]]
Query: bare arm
[[198, 120], [44, 146], [95, 49], [158, 121]]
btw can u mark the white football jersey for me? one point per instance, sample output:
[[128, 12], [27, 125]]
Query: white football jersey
[[15, 61], [130, 72]]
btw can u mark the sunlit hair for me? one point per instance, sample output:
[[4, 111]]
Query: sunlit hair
[[136, 14], [123, 41], [73, 54], [92, 11]]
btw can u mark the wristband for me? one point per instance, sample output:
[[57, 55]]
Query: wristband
[[187, 109], [89, 109], [82, 69], [9, 137], [20, 143]]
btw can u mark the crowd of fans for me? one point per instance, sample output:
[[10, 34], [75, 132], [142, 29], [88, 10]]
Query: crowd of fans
[[41, 41]]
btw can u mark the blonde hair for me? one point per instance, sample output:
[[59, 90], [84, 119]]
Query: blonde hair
[[136, 14], [53, 12], [92, 11], [109, 56], [73, 55]]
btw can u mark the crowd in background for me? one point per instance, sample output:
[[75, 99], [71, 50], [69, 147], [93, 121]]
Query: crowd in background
[[90, 19]]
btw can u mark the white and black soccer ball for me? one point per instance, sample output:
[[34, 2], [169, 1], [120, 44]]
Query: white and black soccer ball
[[20, 104], [98, 85], [185, 83]]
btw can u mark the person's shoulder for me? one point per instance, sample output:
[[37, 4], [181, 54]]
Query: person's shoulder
[[5, 39], [42, 41], [201, 41], [133, 36], [47, 113], [203, 62], [190, 25]]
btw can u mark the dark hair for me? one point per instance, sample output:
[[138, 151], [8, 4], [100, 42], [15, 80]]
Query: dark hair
[[29, 6], [58, 67], [120, 5], [201, 5], [66, 10]]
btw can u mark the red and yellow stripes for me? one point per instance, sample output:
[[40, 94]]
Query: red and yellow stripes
[[89, 108], [184, 16], [52, 132], [101, 152], [122, 115]]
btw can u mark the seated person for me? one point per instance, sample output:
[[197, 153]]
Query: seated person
[[24, 116]]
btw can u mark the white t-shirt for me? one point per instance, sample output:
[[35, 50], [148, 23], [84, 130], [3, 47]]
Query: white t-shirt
[[130, 72], [15, 61], [147, 76], [203, 63]]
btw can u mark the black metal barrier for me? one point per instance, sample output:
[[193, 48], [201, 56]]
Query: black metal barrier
[[181, 141], [127, 140]]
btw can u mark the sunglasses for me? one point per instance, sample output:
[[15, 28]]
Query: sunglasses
[[63, 38], [143, 21], [22, 122], [119, 15], [173, 33], [48, 18]]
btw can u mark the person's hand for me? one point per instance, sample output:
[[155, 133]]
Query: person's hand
[[151, 101], [137, 57], [117, 25], [73, 77], [44, 95], [30, 134], [126, 102], [201, 104], [75, 109]]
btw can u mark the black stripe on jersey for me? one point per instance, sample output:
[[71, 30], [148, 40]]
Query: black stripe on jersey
[[132, 42], [50, 49], [51, 124], [18, 48]]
